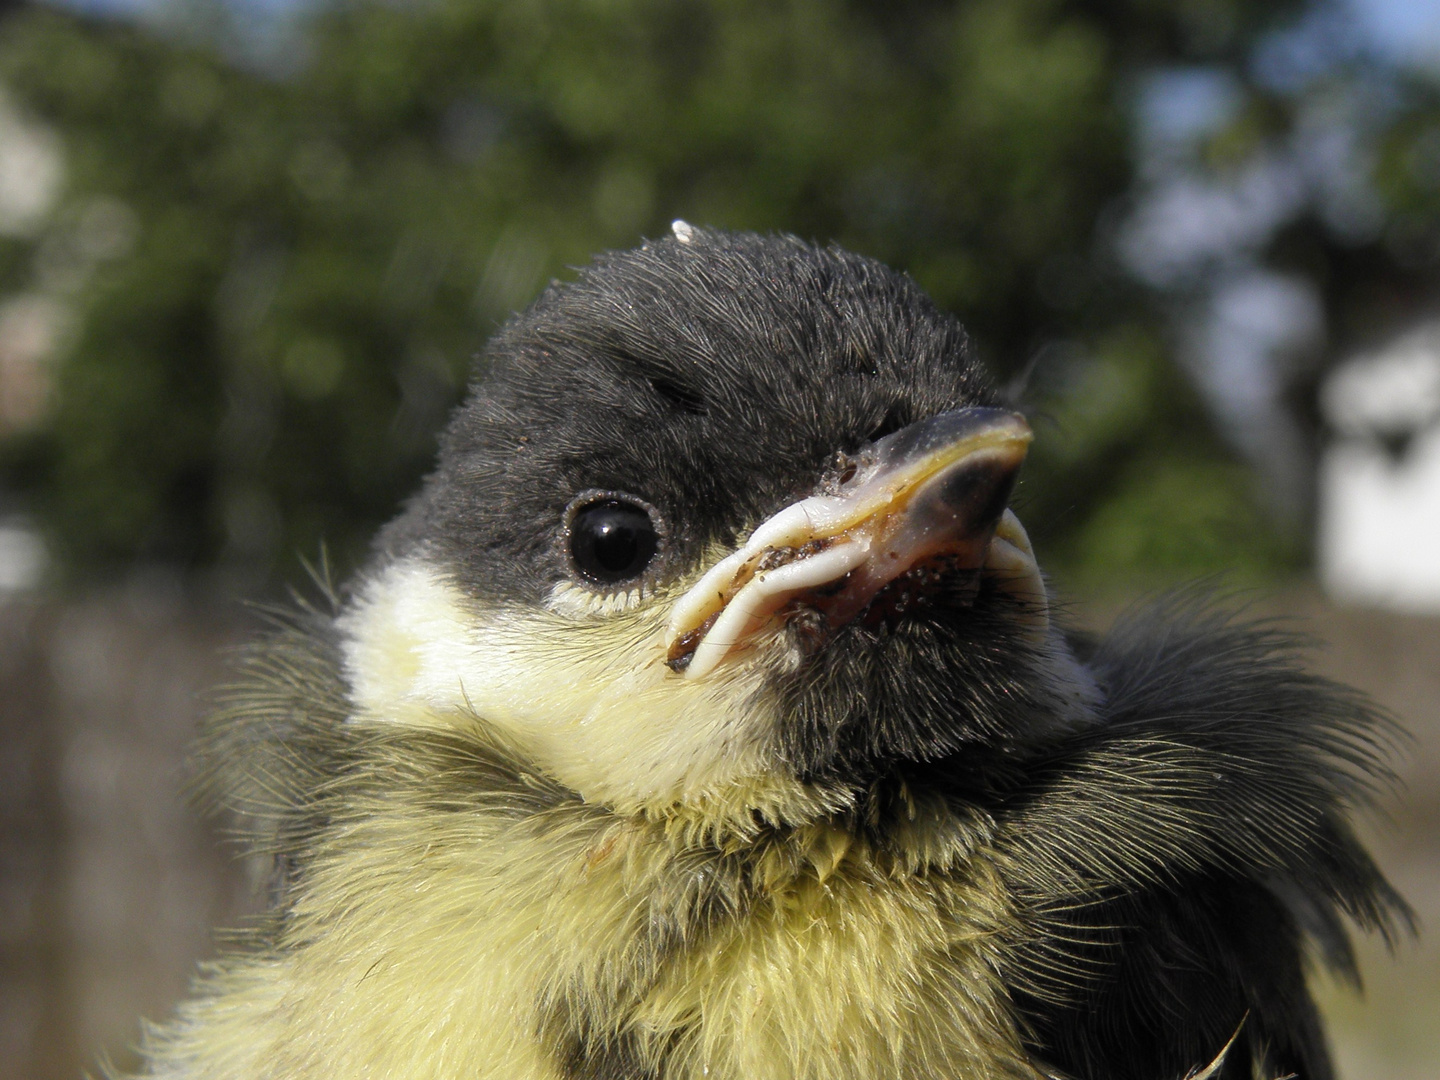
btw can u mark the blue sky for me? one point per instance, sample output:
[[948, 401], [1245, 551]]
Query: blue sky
[[1408, 30]]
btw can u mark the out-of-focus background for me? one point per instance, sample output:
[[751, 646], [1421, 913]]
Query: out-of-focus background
[[249, 248]]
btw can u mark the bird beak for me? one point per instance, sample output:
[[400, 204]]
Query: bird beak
[[933, 494]]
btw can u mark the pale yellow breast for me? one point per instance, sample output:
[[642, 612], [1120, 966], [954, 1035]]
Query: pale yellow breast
[[427, 947]]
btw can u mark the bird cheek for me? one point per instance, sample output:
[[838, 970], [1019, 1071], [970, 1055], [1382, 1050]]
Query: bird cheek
[[587, 698]]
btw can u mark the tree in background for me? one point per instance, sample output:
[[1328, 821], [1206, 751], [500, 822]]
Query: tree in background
[[275, 281]]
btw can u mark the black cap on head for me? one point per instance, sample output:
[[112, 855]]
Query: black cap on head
[[714, 378]]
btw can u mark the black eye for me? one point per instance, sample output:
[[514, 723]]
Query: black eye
[[612, 541]]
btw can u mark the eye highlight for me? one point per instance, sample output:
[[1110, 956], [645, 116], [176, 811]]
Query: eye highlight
[[612, 539]]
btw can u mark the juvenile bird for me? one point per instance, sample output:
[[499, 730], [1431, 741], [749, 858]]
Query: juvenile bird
[[706, 715]]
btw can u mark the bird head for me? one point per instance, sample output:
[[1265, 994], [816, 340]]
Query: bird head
[[723, 526]]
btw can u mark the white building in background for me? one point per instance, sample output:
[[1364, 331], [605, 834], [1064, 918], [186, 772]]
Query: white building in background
[[1379, 539]]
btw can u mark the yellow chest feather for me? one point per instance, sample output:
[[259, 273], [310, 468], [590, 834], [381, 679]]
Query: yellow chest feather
[[575, 944]]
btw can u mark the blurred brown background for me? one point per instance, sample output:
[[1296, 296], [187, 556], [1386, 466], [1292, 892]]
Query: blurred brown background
[[250, 248]]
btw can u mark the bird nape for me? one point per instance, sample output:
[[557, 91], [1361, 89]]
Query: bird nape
[[705, 715]]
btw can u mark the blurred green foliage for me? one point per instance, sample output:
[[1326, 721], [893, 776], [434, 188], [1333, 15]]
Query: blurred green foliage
[[278, 280]]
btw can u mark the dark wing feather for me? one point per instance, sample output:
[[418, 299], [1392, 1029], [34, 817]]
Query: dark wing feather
[[1172, 862]]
